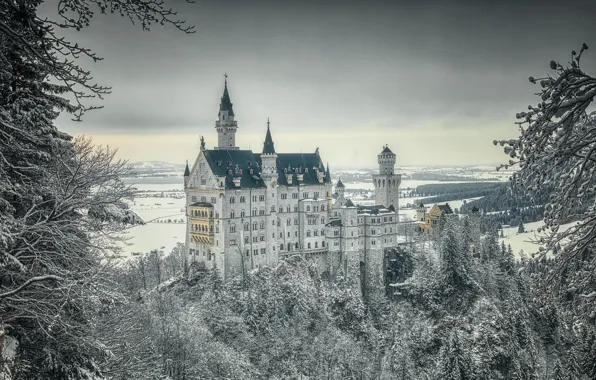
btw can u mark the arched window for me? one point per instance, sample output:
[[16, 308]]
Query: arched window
[[281, 209], [232, 228], [308, 233], [262, 211], [296, 221], [232, 215], [322, 207], [246, 226], [254, 212], [242, 199], [307, 208], [246, 240], [272, 208], [232, 200], [289, 222], [262, 225], [316, 232], [296, 245], [255, 225], [322, 232]]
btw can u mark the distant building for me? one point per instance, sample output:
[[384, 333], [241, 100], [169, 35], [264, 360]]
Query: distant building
[[430, 219], [249, 209]]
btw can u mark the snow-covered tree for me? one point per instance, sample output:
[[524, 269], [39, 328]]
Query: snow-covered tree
[[556, 149], [520, 227], [454, 262]]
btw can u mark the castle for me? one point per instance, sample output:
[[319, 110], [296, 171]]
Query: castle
[[247, 209]]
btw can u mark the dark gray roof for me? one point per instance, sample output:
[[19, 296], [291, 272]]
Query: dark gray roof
[[295, 163], [328, 174], [445, 209], [186, 170], [221, 161], [475, 209], [349, 203], [335, 223], [386, 149], [201, 204], [226, 103], [339, 183], [376, 209], [268, 147], [421, 205]]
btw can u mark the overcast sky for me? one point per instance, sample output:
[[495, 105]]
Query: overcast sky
[[435, 80]]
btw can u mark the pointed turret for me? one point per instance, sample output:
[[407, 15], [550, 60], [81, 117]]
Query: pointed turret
[[328, 174], [226, 126], [340, 184], [226, 103], [186, 170], [268, 147]]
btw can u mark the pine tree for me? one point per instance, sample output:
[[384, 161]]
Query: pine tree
[[454, 362], [520, 227], [455, 263]]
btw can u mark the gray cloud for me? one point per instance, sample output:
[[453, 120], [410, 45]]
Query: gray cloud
[[332, 65]]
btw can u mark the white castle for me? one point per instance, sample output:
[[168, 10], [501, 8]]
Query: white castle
[[246, 209]]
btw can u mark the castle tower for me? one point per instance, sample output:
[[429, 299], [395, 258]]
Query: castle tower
[[226, 126], [186, 174], [340, 188], [269, 160], [387, 182]]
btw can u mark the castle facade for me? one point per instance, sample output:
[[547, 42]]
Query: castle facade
[[247, 209]]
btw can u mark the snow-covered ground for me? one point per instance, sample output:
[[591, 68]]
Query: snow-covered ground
[[523, 242]]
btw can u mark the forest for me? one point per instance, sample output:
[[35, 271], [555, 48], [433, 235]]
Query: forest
[[444, 192], [460, 307]]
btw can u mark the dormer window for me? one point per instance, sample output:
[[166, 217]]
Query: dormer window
[[306, 170], [285, 170], [230, 171]]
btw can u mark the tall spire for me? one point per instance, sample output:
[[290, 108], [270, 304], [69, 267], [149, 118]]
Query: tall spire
[[328, 174], [226, 103], [268, 147], [186, 170]]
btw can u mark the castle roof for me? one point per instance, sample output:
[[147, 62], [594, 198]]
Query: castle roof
[[339, 184], [386, 149], [375, 210], [186, 170], [226, 103], [221, 161], [421, 205], [296, 163], [328, 174], [445, 209], [268, 147], [335, 223], [201, 204]]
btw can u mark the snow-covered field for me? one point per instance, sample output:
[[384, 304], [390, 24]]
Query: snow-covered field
[[523, 242]]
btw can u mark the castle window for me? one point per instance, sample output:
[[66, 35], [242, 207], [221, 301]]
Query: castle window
[[296, 245], [254, 198], [296, 208], [247, 253], [323, 244], [288, 209], [217, 215], [316, 232], [203, 199], [316, 194], [273, 223], [281, 235], [246, 240], [307, 208], [262, 238], [294, 195], [385, 219], [322, 207], [232, 215], [284, 196], [255, 239], [242, 213], [308, 245], [246, 226], [262, 225], [254, 212], [322, 232], [323, 220], [281, 247], [307, 233], [281, 209], [305, 195], [255, 225], [262, 251], [194, 198], [255, 252], [295, 221], [261, 198], [242, 199], [289, 222], [272, 208], [316, 244], [262, 211], [232, 200], [233, 228], [296, 233]]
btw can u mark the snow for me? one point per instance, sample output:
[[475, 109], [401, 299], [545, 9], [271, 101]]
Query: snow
[[523, 241]]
